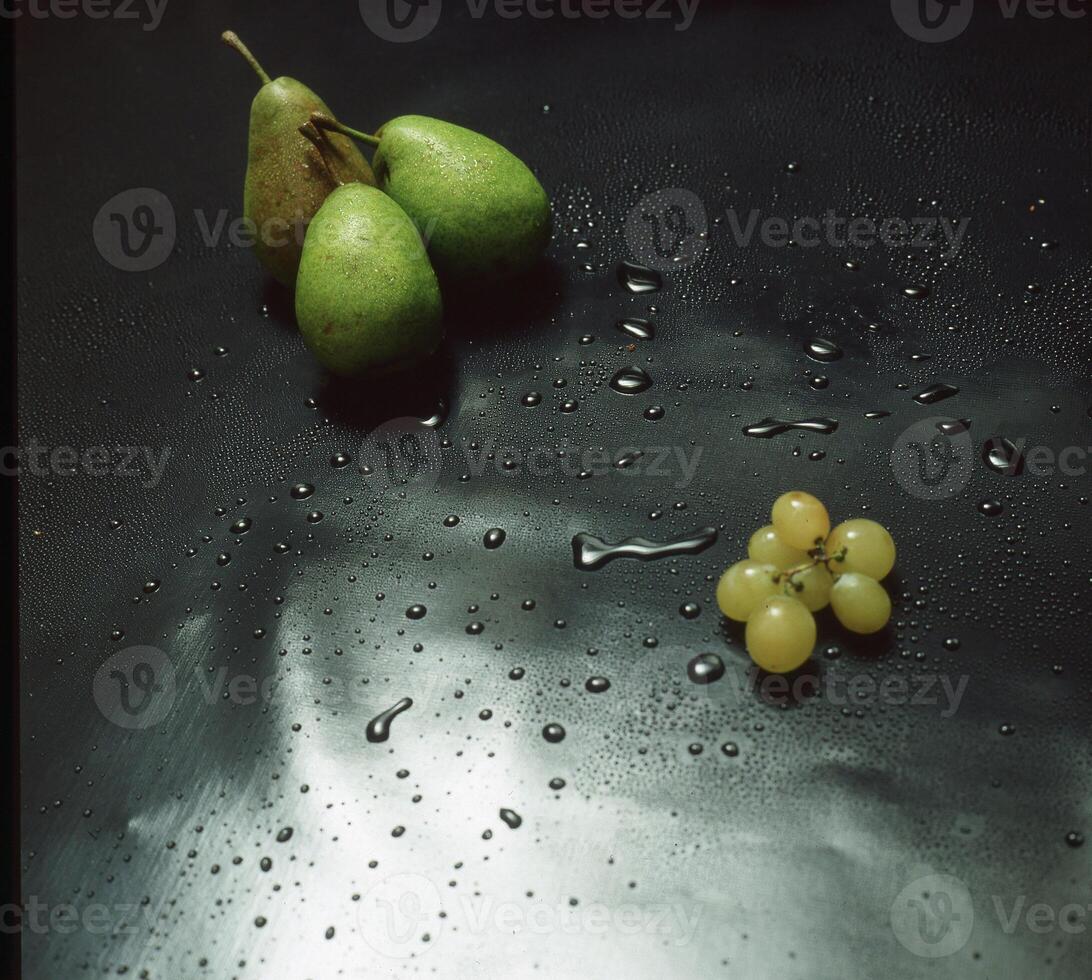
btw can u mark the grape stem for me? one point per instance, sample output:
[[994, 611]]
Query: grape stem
[[819, 556]]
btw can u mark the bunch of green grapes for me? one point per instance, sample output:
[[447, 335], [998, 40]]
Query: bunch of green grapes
[[796, 566]]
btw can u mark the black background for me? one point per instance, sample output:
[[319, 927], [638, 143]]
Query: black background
[[794, 850]]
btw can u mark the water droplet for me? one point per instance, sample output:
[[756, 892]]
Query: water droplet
[[1002, 456], [379, 728], [638, 278], [631, 381], [991, 508], [416, 611], [915, 292], [284, 835], [768, 428], [553, 732], [935, 393], [531, 399], [510, 817], [730, 749], [654, 413], [636, 327], [242, 525], [689, 610], [596, 685], [590, 552], [705, 668], [494, 538], [301, 491], [340, 460], [822, 349]]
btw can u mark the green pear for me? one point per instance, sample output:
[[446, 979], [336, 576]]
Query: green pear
[[482, 212], [286, 182], [367, 300]]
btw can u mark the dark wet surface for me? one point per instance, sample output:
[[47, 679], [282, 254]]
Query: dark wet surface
[[197, 761]]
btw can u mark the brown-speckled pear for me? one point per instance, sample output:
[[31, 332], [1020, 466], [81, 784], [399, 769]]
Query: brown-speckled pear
[[286, 181], [484, 215], [367, 300]]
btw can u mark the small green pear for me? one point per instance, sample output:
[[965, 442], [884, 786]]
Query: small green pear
[[482, 212], [367, 300], [286, 182]]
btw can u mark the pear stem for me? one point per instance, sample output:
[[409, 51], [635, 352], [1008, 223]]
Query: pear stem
[[231, 39], [318, 138], [324, 121]]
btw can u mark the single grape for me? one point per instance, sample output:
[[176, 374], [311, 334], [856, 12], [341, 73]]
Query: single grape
[[766, 546], [869, 548], [860, 603], [801, 520], [811, 586], [780, 634], [743, 586]]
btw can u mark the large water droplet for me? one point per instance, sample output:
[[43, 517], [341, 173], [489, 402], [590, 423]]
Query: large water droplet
[[638, 278], [822, 349], [631, 381], [935, 393], [768, 428], [590, 552], [379, 728], [705, 668], [1002, 456], [553, 732], [637, 327]]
